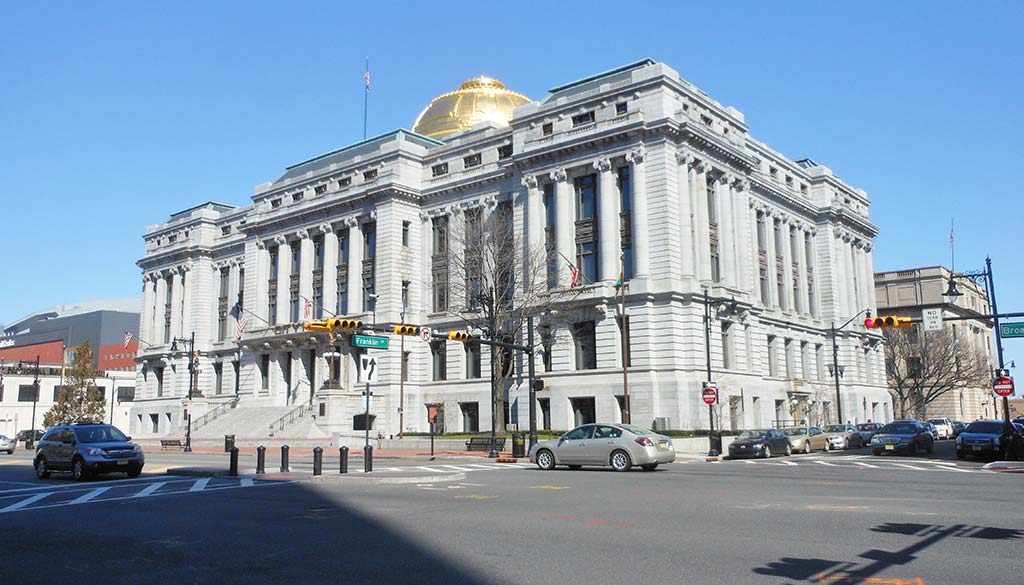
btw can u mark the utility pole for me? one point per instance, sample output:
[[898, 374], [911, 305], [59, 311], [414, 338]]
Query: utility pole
[[712, 451], [35, 400], [531, 370], [625, 343]]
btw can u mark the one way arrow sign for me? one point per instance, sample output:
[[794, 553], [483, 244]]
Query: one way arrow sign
[[368, 371]]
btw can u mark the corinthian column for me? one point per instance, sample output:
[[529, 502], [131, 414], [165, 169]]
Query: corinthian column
[[641, 249], [608, 220], [355, 266], [565, 224], [701, 226], [536, 260], [726, 234], [687, 244]]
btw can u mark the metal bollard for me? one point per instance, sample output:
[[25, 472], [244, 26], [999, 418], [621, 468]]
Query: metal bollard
[[233, 471], [284, 458], [261, 460], [318, 461], [368, 459], [343, 452]]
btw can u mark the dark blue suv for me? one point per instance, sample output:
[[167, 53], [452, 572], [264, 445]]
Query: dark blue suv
[[87, 449]]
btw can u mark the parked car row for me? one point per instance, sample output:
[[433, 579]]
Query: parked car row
[[986, 438]]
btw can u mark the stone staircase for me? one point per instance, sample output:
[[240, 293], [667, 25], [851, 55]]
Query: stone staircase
[[255, 421]]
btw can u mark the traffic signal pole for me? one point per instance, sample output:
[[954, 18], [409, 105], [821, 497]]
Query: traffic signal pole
[[712, 452]]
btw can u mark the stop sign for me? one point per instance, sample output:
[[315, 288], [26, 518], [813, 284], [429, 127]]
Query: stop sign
[[1003, 386], [710, 396]]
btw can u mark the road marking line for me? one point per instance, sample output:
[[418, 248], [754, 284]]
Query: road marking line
[[862, 464], [16, 462], [827, 463], [947, 468], [89, 495], [199, 485], [246, 482], [942, 462], [430, 469], [457, 468], [477, 465], [549, 487], [150, 489], [908, 466], [19, 483], [25, 502], [786, 463], [473, 497]]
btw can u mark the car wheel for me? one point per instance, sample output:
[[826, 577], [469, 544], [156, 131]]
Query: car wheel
[[135, 471], [78, 469], [649, 467], [807, 447], [876, 452], [545, 460], [575, 467], [41, 471], [620, 461], [828, 446], [789, 450], [767, 453], [10, 451]]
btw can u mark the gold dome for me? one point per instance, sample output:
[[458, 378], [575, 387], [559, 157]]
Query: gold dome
[[477, 100]]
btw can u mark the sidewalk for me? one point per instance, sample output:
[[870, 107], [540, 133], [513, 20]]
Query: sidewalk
[[306, 451]]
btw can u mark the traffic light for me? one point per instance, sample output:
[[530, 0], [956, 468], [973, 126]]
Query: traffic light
[[346, 324], [887, 322], [407, 330], [459, 336], [317, 325]]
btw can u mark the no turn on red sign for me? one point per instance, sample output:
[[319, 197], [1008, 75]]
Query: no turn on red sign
[[1003, 386]]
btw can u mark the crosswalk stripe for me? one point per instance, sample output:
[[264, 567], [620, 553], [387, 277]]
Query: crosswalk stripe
[[457, 468], [199, 485], [827, 463], [787, 463], [89, 495], [862, 464], [948, 468], [25, 502], [150, 489], [246, 482], [430, 469], [910, 466], [478, 466]]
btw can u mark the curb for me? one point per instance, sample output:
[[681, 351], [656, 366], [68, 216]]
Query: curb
[[1005, 467], [199, 472], [362, 478]]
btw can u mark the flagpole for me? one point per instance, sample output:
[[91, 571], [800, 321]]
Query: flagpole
[[366, 95], [952, 248]]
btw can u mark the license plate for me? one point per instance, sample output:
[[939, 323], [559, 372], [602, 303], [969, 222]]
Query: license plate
[[890, 447], [122, 462], [663, 444], [976, 448]]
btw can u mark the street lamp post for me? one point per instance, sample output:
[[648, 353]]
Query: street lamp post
[[35, 400], [836, 371], [191, 383], [712, 451]]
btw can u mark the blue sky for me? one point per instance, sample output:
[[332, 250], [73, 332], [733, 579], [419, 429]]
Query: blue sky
[[114, 115]]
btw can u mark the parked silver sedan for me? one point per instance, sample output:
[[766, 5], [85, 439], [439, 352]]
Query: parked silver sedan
[[617, 445], [8, 444], [844, 437], [805, 440]]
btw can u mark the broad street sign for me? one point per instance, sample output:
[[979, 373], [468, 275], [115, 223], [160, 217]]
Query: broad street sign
[[1011, 329], [1003, 386], [933, 319], [370, 341], [368, 371]]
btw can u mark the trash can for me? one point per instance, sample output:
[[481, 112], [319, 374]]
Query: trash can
[[716, 443], [518, 444], [229, 443]]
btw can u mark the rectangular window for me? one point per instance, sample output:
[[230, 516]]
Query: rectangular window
[[320, 189], [504, 151], [585, 337], [125, 394], [275, 203], [439, 170], [27, 393], [56, 394], [583, 119], [168, 307], [545, 413], [712, 200], [241, 292], [218, 377], [272, 286], [472, 360], [550, 242], [222, 308], [794, 245], [625, 186], [812, 306], [773, 358], [439, 360], [547, 129], [547, 342], [762, 258], [819, 359], [470, 416], [787, 348], [344, 182], [159, 374], [727, 346], [805, 360], [439, 263], [265, 371], [369, 266], [405, 233], [586, 227], [225, 231], [318, 252], [370, 175], [471, 161], [297, 197], [620, 108]]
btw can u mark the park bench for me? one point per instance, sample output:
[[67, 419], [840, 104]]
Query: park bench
[[484, 443], [170, 444]]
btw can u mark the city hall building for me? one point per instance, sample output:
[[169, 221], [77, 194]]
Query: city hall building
[[632, 171]]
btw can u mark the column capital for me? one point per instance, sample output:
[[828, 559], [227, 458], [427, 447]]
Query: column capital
[[868, 247], [684, 158], [325, 228], [723, 177], [637, 156], [529, 181], [740, 184], [351, 222], [261, 244], [302, 233], [698, 165], [603, 165], [280, 240], [558, 175]]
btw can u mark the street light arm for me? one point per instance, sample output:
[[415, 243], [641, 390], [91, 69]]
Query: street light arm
[[852, 319]]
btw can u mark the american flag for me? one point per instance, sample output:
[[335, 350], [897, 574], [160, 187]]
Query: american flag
[[575, 275], [308, 309], [127, 339], [366, 76], [241, 327]]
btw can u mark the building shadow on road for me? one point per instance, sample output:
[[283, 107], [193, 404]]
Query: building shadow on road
[[873, 562]]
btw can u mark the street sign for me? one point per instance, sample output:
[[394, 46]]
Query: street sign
[[370, 341], [368, 371], [1011, 329], [425, 334], [933, 319], [1002, 372], [1003, 386], [710, 396]]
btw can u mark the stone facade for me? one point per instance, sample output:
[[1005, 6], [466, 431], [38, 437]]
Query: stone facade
[[910, 292], [692, 200]]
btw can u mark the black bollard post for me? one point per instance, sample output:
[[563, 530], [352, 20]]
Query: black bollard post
[[284, 458], [318, 461], [368, 459], [261, 460], [343, 452], [233, 471]]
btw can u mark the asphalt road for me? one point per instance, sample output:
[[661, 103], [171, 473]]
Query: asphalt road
[[836, 518]]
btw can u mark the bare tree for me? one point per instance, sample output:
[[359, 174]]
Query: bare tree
[[493, 280], [923, 366]]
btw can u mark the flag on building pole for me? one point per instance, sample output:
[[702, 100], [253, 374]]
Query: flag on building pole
[[241, 327], [575, 275], [366, 95], [308, 309], [127, 339], [619, 282]]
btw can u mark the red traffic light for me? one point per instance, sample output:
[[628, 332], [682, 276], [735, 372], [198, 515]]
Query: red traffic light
[[869, 323]]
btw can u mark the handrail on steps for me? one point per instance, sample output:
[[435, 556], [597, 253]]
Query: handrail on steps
[[214, 414], [289, 417]]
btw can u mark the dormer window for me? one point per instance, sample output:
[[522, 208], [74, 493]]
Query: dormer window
[[774, 172], [582, 119], [620, 109], [320, 189], [297, 196], [547, 129], [706, 120], [471, 161], [789, 180], [226, 230], [439, 170], [275, 203], [344, 182], [803, 188], [504, 151], [171, 239], [185, 235], [370, 175]]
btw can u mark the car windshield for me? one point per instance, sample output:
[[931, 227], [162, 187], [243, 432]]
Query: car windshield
[[99, 435], [937, 421], [899, 429], [638, 430], [754, 434], [836, 429], [796, 431], [988, 427], [867, 427]]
